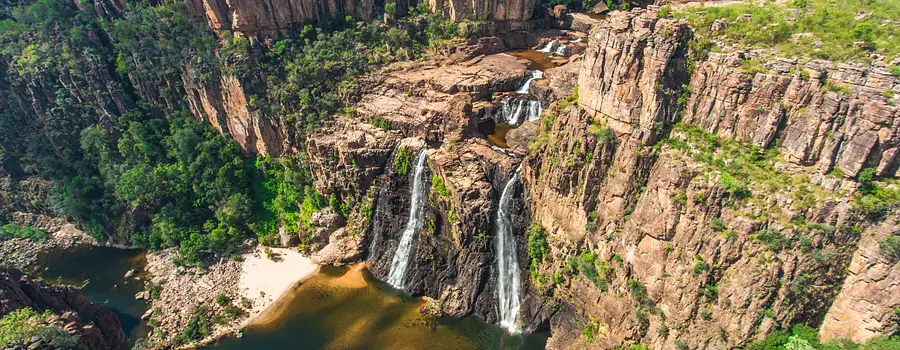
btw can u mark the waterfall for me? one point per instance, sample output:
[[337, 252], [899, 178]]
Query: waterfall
[[549, 47], [534, 75], [507, 261], [401, 259], [576, 41], [561, 50], [534, 111], [512, 111]]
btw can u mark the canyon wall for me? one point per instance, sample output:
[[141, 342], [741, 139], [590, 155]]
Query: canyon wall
[[686, 259], [95, 324]]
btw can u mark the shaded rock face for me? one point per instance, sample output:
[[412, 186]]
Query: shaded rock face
[[865, 307], [94, 323], [268, 18], [452, 256], [813, 122]]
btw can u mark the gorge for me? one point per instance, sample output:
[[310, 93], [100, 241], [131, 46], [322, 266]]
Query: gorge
[[491, 174]]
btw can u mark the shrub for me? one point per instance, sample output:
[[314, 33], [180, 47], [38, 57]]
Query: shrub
[[438, 185], [598, 272], [773, 239], [718, 225], [894, 70], [537, 242], [197, 328], [380, 123], [664, 12], [403, 161], [11, 231], [890, 248]]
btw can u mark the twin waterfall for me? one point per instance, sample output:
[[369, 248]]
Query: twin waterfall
[[507, 261], [400, 263], [513, 110]]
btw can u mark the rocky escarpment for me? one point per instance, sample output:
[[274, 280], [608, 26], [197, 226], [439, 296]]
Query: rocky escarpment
[[452, 259], [830, 116], [270, 18], [677, 254], [94, 324]]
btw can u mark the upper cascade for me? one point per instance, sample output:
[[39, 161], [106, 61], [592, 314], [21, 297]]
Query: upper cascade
[[534, 76], [400, 263]]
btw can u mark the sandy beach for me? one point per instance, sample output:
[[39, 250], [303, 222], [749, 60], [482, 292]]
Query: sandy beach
[[266, 280]]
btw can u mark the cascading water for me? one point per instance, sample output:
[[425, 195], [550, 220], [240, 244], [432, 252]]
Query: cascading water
[[576, 40], [534, 75], [561, 50], [507, 261], [512, 111], [400, 263], [534, 110], [549, 47]]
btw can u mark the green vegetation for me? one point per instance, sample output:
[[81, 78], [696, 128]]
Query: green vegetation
[[538, 248], [593, 329], [890, 248], [137, 168], [587, 264], [11, 231], [744, 170], [380, 122], [19, 326], [809, 28], [877, 198], [439, 187], [403, 161], [805, 337], [197, 328]]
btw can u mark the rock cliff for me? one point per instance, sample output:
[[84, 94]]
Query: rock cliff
[[95, 325], [682, 256]]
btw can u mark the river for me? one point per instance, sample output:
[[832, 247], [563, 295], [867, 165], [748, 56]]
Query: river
[[347, 308], [104, 268]]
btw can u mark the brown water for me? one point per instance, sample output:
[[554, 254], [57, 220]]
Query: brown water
[[346, 308], [498, 138], [539, 60], [104, 270]]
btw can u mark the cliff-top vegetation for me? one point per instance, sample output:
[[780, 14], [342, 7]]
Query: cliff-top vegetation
[[849, 30]]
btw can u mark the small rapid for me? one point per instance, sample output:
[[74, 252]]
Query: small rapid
[[549, 47], [507, 261], [534, 76], [400, 262]]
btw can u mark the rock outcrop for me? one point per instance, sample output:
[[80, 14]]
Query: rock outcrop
[[630, 68], [95, 325], [268, 18], [831, 116]]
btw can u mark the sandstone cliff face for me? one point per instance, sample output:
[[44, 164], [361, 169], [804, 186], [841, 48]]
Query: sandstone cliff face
[[802, 110], [491, 10], [865, 307], [661, 218], [629, 69], [268, 17], [96, 326]]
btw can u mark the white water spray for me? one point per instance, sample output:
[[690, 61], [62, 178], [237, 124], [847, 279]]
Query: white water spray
[[401, 259], [576, 40], [549, 47], [512, 111], [561, 50], [507, 261], [534, 75]]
